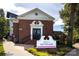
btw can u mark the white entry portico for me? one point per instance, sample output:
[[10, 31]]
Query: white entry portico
[[36, 25]]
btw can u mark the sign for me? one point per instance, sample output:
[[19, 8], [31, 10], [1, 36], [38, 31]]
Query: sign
[[46, 43]]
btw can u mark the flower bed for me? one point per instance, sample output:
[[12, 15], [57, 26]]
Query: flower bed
[[1, 49]]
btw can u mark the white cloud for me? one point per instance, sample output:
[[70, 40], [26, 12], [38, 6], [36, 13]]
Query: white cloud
[[17, 10], [59, 22], [9, 5]]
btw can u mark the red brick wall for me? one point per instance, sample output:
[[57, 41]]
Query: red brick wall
[[48, 27], [25, 25], [25, 32]]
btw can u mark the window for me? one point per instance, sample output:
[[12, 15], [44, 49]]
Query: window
[[36, 14]]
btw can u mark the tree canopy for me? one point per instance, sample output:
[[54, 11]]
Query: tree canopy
[[3, 27], [64, 14], [3, 24]]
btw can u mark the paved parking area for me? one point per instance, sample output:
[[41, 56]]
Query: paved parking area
[[72, 53]]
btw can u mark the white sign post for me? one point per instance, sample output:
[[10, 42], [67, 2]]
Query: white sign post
[[46, 43]]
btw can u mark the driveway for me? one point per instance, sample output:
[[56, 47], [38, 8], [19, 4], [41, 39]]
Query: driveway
[[12, 50], [74, 52]]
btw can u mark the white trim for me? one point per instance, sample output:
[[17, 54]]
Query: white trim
[[40, 25], [38, 18], [48, 17]]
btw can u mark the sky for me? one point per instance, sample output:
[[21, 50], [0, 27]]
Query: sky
[[20, 8]]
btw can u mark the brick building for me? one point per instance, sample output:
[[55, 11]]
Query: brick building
[[31, 25]]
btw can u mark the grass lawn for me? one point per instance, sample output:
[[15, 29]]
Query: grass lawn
[[1, 49]]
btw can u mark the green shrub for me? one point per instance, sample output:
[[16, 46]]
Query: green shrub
[[37, 53], [42, 54], [2, 53], [1, 49], [63, 49], [32, 50], [60, 53]]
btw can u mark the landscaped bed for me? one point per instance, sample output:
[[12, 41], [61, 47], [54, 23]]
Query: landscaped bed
[[48, 52], [1, 49], [35, 52]]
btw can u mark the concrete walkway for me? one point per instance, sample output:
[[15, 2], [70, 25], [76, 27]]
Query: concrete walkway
[[12, 50]]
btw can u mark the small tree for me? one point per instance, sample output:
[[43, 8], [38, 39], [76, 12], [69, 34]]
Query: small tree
[[3, 27], [70, 16]]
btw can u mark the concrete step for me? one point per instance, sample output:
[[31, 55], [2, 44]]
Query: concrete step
[[31, 42]]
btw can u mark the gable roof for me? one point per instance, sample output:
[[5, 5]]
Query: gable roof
[[36, 9], [11, 15]]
